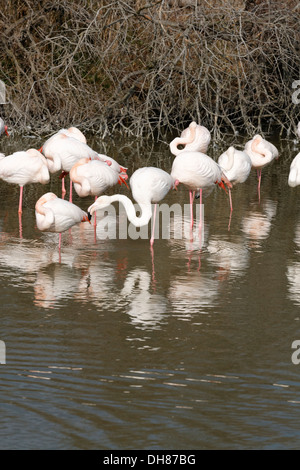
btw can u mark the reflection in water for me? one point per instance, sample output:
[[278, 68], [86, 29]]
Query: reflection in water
[[293, 276], [257, 224], [193, 294], [140, 358], [183, 237], [146, 309], [228, 257], [293, 271], [58, 282]]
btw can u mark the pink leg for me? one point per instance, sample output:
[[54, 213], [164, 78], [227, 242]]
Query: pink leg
[[230, 200], [259, 182], [153, 228], [95, 218], [20, 225], [200, 222], [192, 195], [63, 189], [20, 200]]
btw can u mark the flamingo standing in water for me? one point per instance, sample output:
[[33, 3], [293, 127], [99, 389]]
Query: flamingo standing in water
[[57, 215], [197, 171], [261, 152], [195, 138], [148, 185], [23, 168], [93, 177], [236, 166], [3, 128], [62, 152]]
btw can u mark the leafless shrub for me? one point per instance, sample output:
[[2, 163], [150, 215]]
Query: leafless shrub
[[150, 66]]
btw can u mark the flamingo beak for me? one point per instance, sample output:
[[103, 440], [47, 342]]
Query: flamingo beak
[[122, 180], [40, 149], [86, 218], [6, 131]]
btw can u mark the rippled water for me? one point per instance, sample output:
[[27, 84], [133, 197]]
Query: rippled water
[[115, 346]]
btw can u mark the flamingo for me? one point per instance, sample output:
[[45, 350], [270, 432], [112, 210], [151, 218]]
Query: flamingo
[[298, 130], [24, 167], [148, 185], [92, 177], [195, 138], [54, 214], [294, 174], [3, 128], [261, 152], [236, 166], [62, 152], [197, 171], [122, 170]]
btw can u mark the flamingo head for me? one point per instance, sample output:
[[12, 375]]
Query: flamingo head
[[224, 181], [122, 179], [100, 203]]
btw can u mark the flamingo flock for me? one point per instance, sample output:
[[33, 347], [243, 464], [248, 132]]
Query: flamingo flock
[[93, 174]]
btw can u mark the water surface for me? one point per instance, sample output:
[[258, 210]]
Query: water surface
[[114, 346]]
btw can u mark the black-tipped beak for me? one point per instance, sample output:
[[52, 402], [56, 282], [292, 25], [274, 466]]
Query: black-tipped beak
[[89, 215]]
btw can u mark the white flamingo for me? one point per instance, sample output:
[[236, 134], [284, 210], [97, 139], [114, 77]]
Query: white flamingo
[[197, 171], [93, 177], [57, 215], [294, 174], [62, 152], [24, 167], [261, 153], [194, 138], [236, 166], [120, 169], [148, 185]]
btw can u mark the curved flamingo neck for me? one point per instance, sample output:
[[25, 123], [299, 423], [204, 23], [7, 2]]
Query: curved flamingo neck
[[183, 140], [146, 210]]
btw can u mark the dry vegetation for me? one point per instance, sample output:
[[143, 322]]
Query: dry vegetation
[[146, 67]]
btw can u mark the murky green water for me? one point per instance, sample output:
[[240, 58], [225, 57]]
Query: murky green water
[[117, 347]]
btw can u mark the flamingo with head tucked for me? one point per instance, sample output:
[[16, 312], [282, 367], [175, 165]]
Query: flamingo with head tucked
[[57, 215], [261, 153], [93, 177], [195, 169], [148, 185], [194, 138], [236, 166], [62, 152]]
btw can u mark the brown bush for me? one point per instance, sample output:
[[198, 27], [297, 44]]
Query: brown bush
[[147, 67]]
